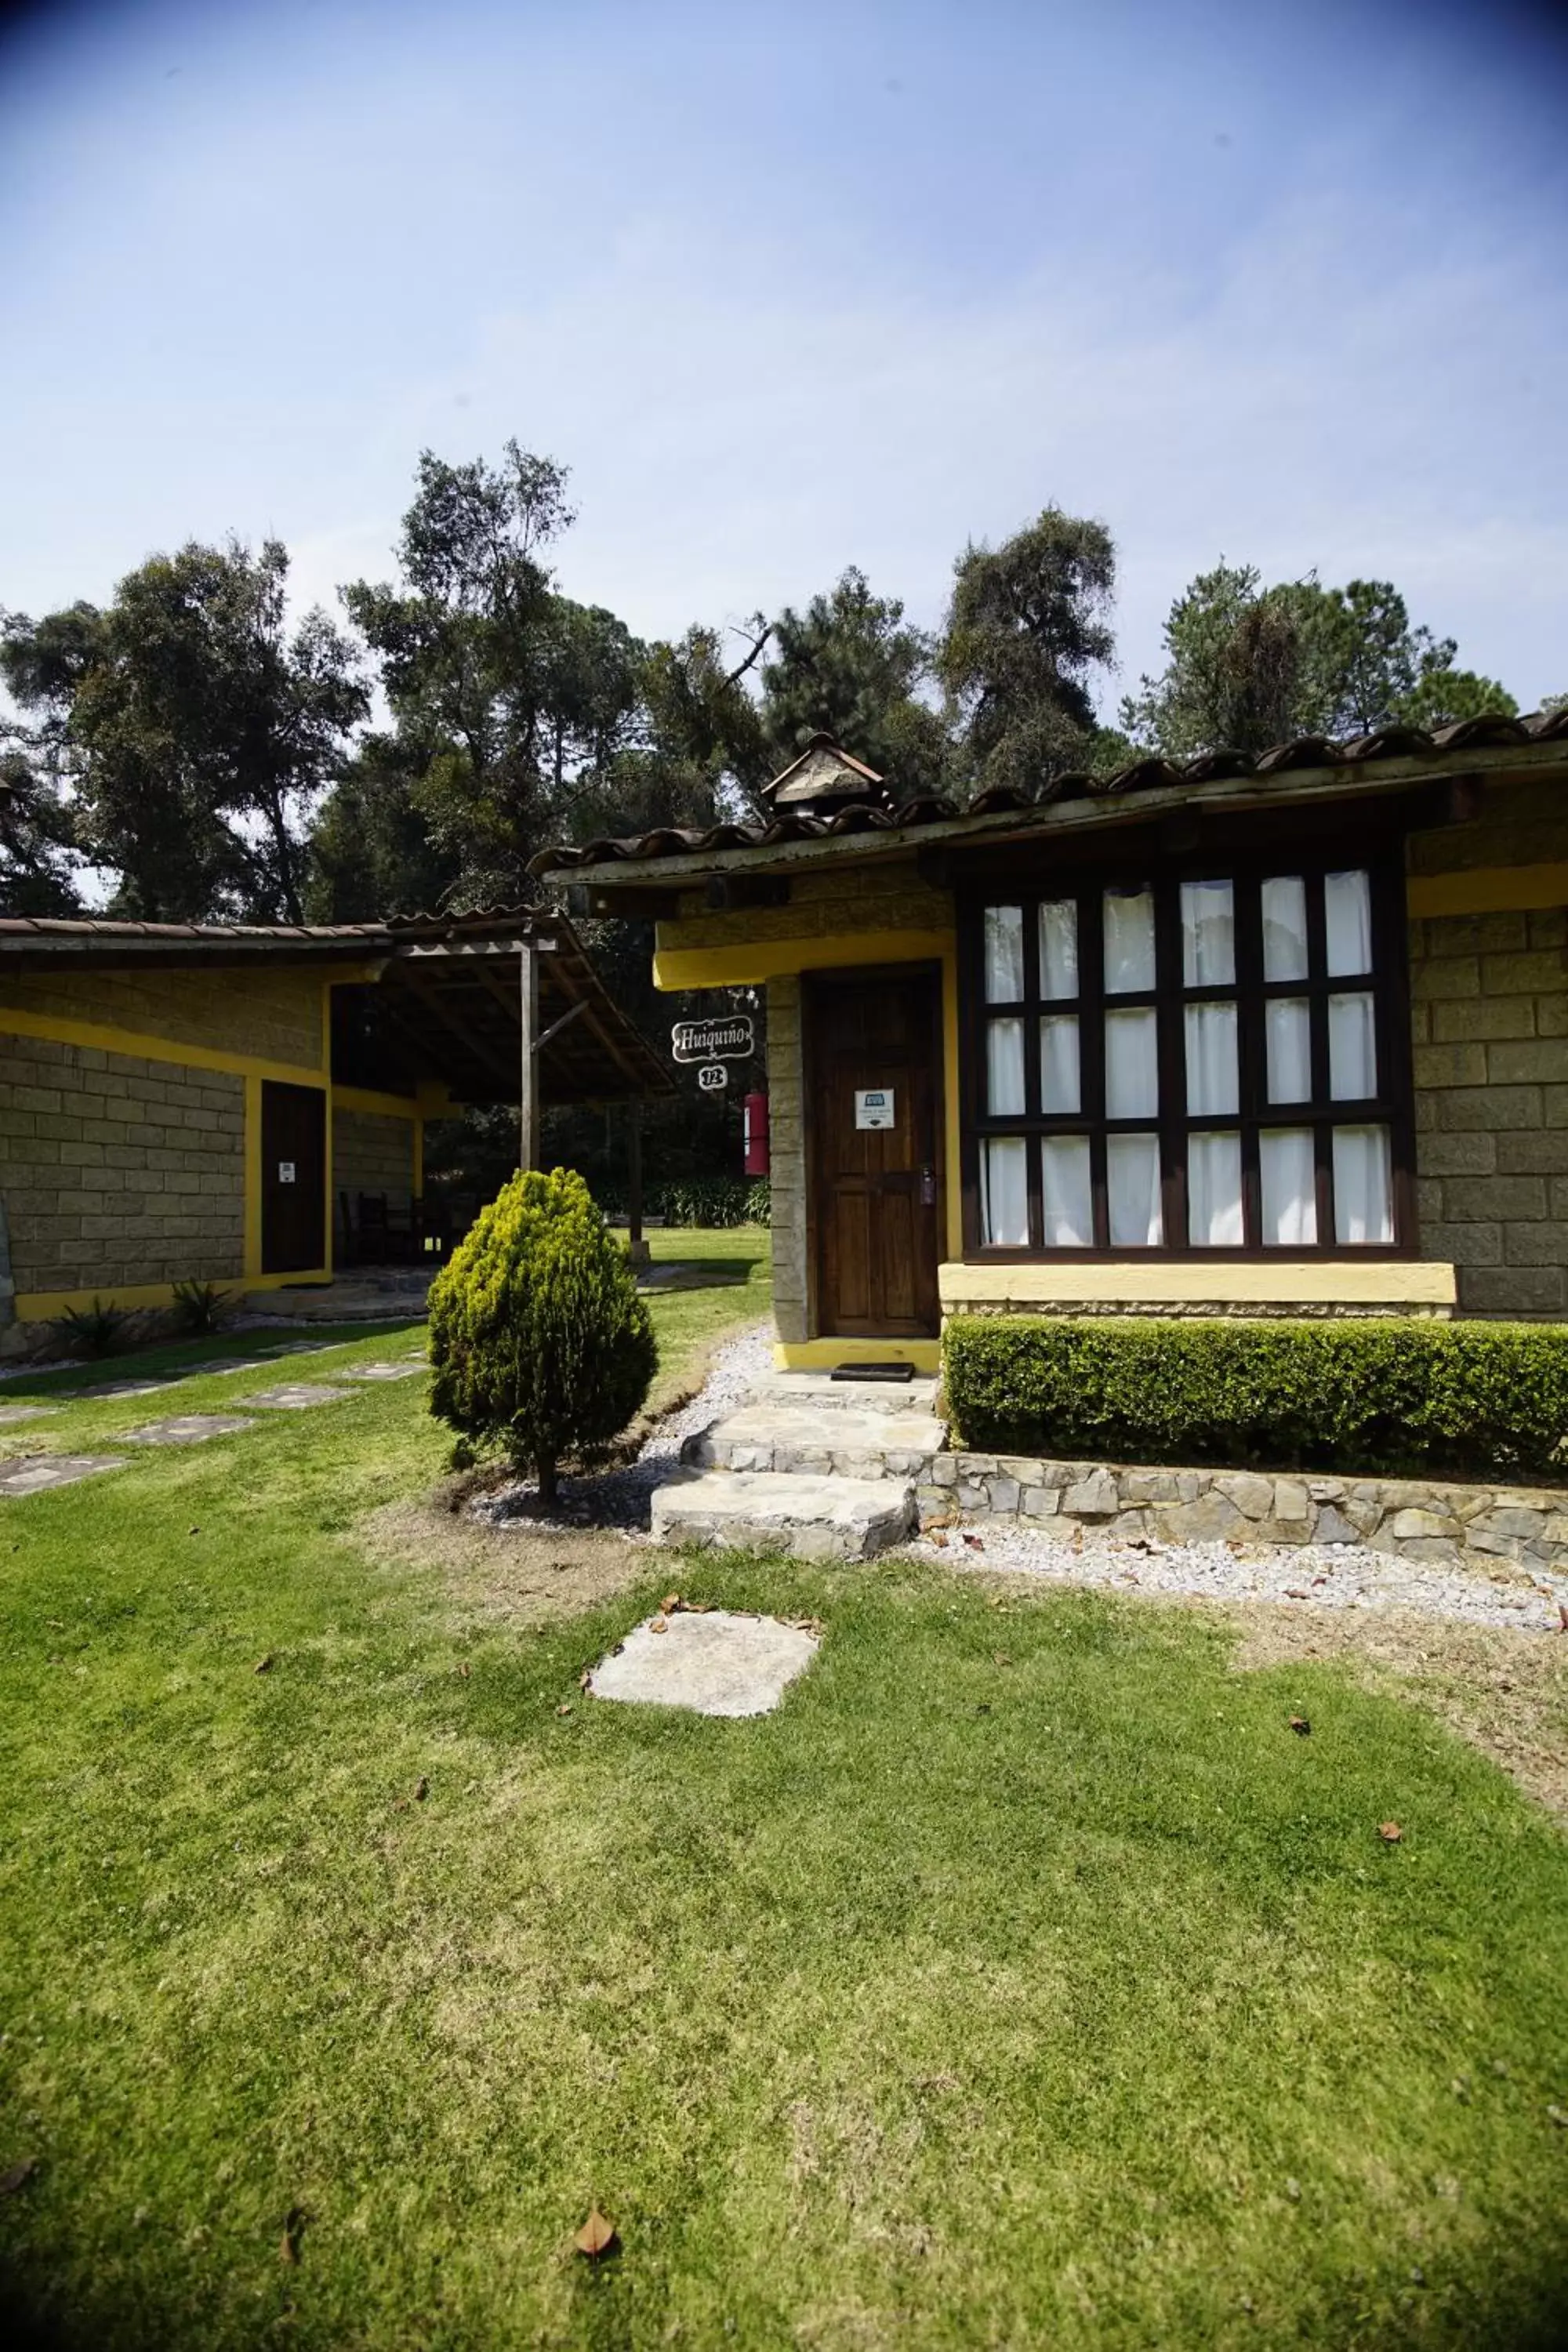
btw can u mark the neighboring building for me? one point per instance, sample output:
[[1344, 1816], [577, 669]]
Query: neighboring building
[[197, 1102], [1273, 1035]]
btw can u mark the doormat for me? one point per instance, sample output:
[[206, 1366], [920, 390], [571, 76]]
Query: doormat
[[889, 1372]]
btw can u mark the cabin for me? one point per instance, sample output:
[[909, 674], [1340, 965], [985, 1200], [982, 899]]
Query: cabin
[[1259, 1035], [247, 1105]]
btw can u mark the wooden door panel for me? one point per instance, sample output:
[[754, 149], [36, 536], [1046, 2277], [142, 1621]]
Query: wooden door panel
[[293, 1178], [876, 1191]]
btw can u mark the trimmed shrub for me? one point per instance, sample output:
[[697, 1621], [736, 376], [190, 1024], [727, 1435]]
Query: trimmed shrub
[[539, 1340], [1366, 1397]]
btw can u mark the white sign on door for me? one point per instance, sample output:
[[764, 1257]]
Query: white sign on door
[[874, 1107], [285, 1171]]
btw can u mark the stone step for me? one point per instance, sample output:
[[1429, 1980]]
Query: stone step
[[795, 1437], [808, 1517], [915, 1395]]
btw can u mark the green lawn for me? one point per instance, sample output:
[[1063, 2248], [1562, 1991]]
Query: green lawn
[[1023, 1981]]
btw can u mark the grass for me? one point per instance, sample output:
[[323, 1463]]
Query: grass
[[1023, 1980]]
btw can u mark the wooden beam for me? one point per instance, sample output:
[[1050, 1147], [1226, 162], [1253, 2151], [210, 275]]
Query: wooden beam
[[528, 1066], [429, 1001]]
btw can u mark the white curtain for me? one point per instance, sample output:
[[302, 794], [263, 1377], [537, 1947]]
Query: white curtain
[[1289, 1189], [1129, 942], [1058, 948], [1131, 1065], [1133, 1187], [1211, 1060], [1208, 934], [1347, 914], [1288, 1036], [1060, 1090], [1353, 1049], [1363, 1185], [1285, 927], [1005, 1067], [1003, 955], [1004, 1191], [1065, 1190], [1214, 1192]]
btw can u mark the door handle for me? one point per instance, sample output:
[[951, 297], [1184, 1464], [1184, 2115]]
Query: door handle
[[927, 1187]]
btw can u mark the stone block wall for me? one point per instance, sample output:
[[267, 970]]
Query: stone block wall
[[1506, 1530], [372, 1152], [117, 1172], [787, 1157], [272, 1016], [1489, 1026]]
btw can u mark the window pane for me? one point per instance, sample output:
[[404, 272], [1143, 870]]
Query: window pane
[[1005, 1067], [1058, 1062], [1129, 942], [1068, 1203], [1208, 935], [1353, 1049], [1347, 913], [1133, 1183], [1288, 1035], [1285, 927], [1058, 948], [1211, 1059], [1131, 1065], [1003, 955], [1214, 1192], [1004, 1191], [1363, 1185], [1289, 1187]]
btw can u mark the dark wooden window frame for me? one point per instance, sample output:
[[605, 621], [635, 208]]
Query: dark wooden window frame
[[1392, 1106]]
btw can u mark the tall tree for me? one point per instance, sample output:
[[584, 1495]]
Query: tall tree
[[1026, 632], [193, 730], [851, 666], [1247, 666]]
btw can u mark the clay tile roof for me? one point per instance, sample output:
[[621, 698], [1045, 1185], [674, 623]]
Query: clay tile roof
[[869, 809]]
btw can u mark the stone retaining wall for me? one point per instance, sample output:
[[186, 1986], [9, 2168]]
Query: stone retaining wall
[[1456, 1526]]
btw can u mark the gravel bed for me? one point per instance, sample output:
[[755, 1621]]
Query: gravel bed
[[621, 1500], [1329, 1576]]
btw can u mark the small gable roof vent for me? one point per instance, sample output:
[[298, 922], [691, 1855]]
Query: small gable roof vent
[[825, 777]]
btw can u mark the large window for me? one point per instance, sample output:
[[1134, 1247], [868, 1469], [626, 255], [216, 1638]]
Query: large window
[[1212, 1062]]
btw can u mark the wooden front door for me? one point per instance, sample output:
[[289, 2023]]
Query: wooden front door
[[293, 1178], [874, 1090]]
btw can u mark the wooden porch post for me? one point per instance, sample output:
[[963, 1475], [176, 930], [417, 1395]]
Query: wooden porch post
[[528, 1094], [636, 1248]]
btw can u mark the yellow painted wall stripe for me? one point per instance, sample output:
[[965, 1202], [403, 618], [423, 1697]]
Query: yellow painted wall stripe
[[1487, 890], [374, 1106], [44, 1306], [824, 1355], [107, 1039]]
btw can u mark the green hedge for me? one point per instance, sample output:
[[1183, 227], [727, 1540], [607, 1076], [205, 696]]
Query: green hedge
[[701, 1200], [1367, 1397]]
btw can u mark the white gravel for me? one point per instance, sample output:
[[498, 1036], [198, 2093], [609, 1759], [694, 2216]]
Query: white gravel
[[621, 1500], [1326, 1575]]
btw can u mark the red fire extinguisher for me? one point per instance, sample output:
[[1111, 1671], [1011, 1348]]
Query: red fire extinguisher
[[754, 1116]]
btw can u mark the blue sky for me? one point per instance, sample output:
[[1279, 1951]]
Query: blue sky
[[795, 287]]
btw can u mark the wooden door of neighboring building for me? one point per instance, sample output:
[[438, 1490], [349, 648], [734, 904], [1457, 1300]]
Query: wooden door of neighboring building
[[293, 1178], [876, 1188]]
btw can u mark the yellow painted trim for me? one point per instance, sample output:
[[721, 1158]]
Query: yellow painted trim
[[45, 1306], [1487, 890], [823, 1355], [1151, 1283], [376, 1105], [760, 959], [59, 1031], [252, 1180]]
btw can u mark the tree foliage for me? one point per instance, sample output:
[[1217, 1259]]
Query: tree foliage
[[540, 1341], [1247, 666], [1027, 631], [191, 730], [849, 665]]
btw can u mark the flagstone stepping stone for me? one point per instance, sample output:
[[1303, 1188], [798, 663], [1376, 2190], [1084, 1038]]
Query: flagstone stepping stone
[[297, 1396], [713, 1661], [12, 1414], [382, 1371], [188, 1429], [34, 1473]]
